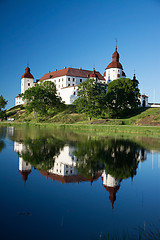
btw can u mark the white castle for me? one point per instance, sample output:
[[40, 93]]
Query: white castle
[[65, 170], [68, 79]]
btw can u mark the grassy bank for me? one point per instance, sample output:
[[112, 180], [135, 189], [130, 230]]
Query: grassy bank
[[145, 122], [98, 129], [143, 117]]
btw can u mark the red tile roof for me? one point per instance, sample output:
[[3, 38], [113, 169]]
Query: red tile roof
[[115, 65], [18, 96], [93, 74], [144, 96], [115, 61], [27, 73], [71, 72], [25, 174], [68, 179], [112, 193], [123, 74]]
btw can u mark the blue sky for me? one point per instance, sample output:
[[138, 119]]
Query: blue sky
[[52, 34]]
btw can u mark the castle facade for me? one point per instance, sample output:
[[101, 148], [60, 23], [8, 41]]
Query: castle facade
[[68, 79]]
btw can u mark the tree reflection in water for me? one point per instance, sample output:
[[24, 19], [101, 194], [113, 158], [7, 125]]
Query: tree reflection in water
[[83, 160]]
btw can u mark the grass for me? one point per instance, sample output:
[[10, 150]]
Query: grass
[[145, 122]]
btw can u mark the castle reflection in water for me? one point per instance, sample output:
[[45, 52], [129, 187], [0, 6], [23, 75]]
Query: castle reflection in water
[[65, 170]]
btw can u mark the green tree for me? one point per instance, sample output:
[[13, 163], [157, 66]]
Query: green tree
[[42, 99], [122, 96], [90, 99], [41, 153], [3, 103], [118, 157]]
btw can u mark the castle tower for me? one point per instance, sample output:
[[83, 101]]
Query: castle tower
[[135, 80], [26, 80], [114, 70], [24, 169], [112, 185], [94, 75]]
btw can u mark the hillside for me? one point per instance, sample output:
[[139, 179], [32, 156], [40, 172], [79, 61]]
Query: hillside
[[144, 117]]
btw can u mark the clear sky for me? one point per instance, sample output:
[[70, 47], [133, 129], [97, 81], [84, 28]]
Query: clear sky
[[52, 34]]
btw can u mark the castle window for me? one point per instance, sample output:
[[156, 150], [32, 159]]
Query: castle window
[[62, 79], [73, 84], [62, 85], [66, 172], [59, 80], [68, 79], [80, 80], [68, 84], [28, 84], [74, 93], [73, 79], [55, 81], [71, 171]]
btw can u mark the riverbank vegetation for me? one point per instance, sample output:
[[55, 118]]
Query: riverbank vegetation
[[94, 106], [3, 103], [69, 115]]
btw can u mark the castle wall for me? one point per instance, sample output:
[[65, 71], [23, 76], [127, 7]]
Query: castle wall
[[26, 83], [112, 74]]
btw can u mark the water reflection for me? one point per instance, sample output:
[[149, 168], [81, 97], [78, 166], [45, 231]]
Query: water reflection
[[120, 171], [88, 160]]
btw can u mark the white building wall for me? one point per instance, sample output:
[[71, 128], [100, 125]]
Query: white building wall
[[66, 87], [69, 94], [110, 181], [24, 166], [19, 148], [142, 99], [154, 105], [112, 74], [65, 163], [19, 101], [26, 83]]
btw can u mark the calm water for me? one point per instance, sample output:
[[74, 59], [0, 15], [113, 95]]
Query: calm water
[[64, 185]]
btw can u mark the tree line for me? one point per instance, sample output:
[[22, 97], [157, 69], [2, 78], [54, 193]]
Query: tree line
[[119, 98]]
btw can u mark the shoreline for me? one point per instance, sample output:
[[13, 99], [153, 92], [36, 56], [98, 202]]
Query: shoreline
[[100, 129]]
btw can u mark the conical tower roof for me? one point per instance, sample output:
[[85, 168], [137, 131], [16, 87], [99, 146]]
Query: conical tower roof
[[115, 61], [27, 73]]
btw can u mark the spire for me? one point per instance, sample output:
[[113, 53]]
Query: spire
[[25, 174], [134, 78], [27, 73], [115, 56], [112, 193], [116, 45], [93, 74]]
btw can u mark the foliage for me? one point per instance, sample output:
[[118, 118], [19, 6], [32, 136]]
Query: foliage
[[42, 98], [3, 103], [91, 95], [118, 157], [122, 97], [41, 153], [1, 145]]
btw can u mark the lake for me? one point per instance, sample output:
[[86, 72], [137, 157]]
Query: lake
[[58, 184]]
